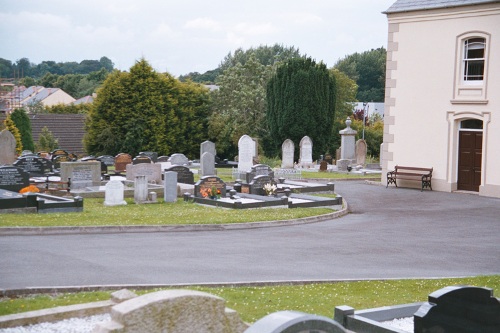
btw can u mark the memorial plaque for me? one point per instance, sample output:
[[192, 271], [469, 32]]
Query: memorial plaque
[[184, 175], [13, 178], [121, 161], [208, 183], [34, 165]]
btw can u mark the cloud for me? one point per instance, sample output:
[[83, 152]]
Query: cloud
[[203, 23]]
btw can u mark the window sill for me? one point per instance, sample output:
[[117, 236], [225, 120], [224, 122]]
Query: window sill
[[469, 101]]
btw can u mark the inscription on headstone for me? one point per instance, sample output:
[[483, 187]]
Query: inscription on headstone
[[82, 174], [13, 178], [34, 165]]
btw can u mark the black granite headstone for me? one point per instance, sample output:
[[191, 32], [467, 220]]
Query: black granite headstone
[[13, 178], [59, 159], [151, 154], [259, 170], [141, 159], [184, 175], [256, 186], [58, 152], [107, 159], [459, 309], [209, 183], [295, 322], [35, 166], [162, 158]]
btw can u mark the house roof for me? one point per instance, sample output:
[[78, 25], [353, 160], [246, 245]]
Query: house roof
[[41, 95], [84, 100], [413, 5]]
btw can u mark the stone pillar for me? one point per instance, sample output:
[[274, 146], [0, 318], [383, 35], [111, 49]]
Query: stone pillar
[[170, 186], [348, 146], [140, 189]]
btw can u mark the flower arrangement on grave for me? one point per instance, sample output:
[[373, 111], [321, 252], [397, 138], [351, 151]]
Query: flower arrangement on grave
[[270, 189], [29, 189], [212, 193]]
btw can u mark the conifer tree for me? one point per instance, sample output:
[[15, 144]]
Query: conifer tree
[[23, 124], [11, 127]]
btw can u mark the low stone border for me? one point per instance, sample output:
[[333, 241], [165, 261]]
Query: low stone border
[[15, 231]]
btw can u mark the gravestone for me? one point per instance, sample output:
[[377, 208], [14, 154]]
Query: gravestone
[[82, 174], [12, 201], [287, 154], [114, 193], [121, 162], [361, 152], [142, 159], [184, 175], [7, 147], [27, 153], [173, 311], [207, 146], [207, 164], [58, 152], [328, 158], [338, 153], [150, 170], [348, 147], [151, 154], [208, 183], [60, 159], [259, 170], [295, 322], [13, 178], [179, 159], [34, 165], [170, 186], [246, 153], [464, 309], [162, 159], [140, 189], [323, 166], [107, 159], [256, 186], [306, 146]]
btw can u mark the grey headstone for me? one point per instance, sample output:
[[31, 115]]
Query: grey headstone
[[179, 159], [7, 147], [287, 154], [150, 170], [207, 164], [246, 153], [82, 174], [295, 322], [306, 148], [114, 193], [170, 186], [13, 178], [140, 189], [361, 152], [207, 146]]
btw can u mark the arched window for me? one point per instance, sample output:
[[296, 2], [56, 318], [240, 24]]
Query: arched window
[[474, 57]]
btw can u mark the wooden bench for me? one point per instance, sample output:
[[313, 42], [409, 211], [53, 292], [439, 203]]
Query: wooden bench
[[423, 175]]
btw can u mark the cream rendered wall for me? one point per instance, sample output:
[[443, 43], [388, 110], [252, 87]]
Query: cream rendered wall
[[58, 97], [421, 122]]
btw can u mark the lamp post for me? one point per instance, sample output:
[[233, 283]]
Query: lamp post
[[366, 107]]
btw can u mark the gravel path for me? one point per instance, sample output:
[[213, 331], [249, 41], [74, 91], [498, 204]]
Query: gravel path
[[72, 325]]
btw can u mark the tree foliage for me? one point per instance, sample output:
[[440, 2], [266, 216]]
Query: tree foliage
[[301, 101], [23, 124], [239, 105], [11, 127], [46, 141], [146, 111], [367, 69]]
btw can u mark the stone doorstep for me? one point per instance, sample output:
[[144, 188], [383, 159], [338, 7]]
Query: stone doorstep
[[56, 314]]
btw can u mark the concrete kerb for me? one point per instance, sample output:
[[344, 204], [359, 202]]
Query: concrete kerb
[[15, 231]]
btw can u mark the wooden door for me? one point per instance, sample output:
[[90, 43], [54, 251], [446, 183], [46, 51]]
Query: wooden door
[[469, 160]]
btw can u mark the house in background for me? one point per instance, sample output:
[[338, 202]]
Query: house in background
[[20, 96], [442, 103]]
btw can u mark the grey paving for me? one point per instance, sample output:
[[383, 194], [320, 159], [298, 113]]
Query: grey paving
[[391, 233]]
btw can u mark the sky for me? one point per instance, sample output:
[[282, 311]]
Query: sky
[[183, 36]]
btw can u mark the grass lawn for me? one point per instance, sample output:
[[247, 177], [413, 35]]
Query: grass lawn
[[96, 214], [253, 303]]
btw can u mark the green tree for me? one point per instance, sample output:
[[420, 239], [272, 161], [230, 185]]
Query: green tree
[[301, 101], [139, 111], [374, 132], [23, 124], [47, 141], [346, 90], [239, 105], [11, 127], [368, 70]]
